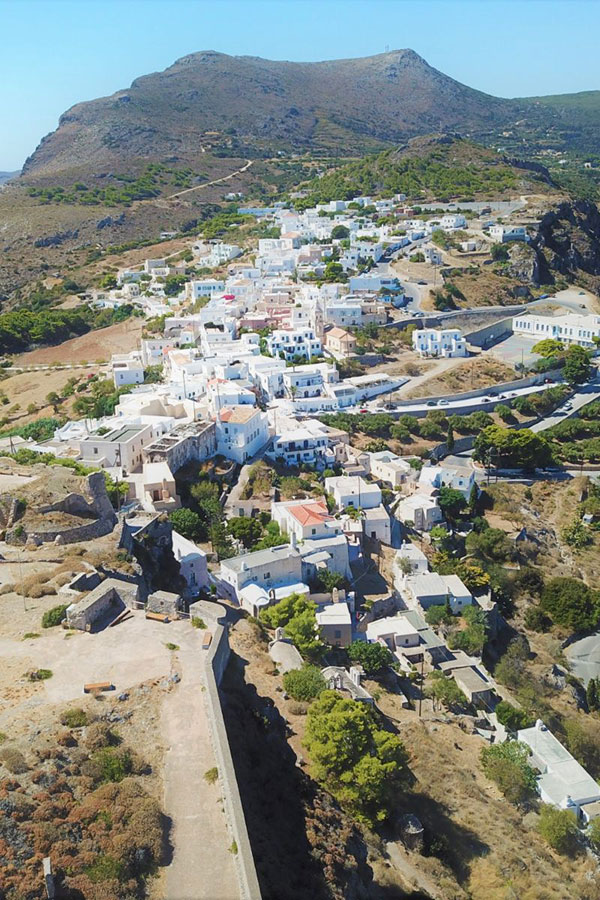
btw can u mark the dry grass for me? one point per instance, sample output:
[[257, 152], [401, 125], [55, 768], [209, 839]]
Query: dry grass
[[89, 348], [471, 375]]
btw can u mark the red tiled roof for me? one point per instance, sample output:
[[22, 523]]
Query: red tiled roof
[[311, 513]]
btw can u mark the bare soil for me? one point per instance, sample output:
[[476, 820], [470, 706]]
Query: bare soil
[[93, 347]]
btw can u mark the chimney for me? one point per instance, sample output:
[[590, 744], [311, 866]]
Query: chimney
[[293, 542], [355, 675]]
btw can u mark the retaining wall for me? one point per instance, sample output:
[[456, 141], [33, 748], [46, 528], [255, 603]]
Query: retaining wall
[[217, 657]]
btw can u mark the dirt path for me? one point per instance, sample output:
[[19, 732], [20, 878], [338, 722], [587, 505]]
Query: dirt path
[[199, 187], [203, 867], [415, 878], [440, 367]]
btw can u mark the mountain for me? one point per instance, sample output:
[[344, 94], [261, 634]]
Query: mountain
[[240, 105]]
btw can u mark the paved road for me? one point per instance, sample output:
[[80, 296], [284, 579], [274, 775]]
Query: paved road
[[587, 394], [202, 867], [584, 656]]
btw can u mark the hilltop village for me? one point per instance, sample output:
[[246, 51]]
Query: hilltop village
[[316, 462]]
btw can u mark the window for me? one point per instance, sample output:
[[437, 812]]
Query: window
[[337, 634]]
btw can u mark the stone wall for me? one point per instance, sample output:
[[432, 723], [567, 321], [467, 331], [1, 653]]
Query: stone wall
[[217, 657]]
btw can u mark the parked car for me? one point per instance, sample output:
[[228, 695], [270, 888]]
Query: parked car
[[431, 403], [442, 402]]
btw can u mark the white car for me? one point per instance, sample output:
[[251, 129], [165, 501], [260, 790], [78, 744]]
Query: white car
[[443, 402]]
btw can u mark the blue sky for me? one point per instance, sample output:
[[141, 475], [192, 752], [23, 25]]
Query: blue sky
[[58, 52]]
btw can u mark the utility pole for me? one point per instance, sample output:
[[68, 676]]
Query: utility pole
[[421, 687]]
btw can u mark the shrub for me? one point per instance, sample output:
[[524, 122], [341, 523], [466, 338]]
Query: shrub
[[113, 764], [105, 868], [571, 603], [512, 718], [211, 775], [40, 674], [298, 709], [54, 616], [372, 657], [559, 828], [536, 619], [362, 765], [197, 622], [304, 684], [507, 764], [13, 760], [74, 718]]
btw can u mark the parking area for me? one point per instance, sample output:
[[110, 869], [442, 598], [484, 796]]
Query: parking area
[[515, 349]]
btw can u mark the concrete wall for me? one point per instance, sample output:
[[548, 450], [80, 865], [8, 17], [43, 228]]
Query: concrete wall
[[459, 318], [489, 334], [217, 657]]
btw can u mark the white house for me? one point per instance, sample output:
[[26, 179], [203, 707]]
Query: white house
[[192, 562], [335, 624], [569, 329], [562, 781], [127, 369], [195, 290], [241, 432], [420, 510], [353, 491], [389, 467], [301, 342], [505, 233], [268, 569], [444, 342], [460, 478], [117, 447], [425, 589], [377, 524], [305, 519]]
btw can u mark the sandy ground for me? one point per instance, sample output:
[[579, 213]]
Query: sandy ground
[[91, 347]]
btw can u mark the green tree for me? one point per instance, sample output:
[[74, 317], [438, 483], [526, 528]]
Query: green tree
[[339, 232], [372, 657], [507, 764], [472, 576], [443, 689], [510, 448], [576, 534], [570, 603], [108, 281], [499, 252], [559, 828], [304, 684], [186, 522], [451, 502], [450, 439], [245, 529], [327, 580], [577, 368], [491, 543], [512, 718], [362, 765], [548, 347], [592, 695]]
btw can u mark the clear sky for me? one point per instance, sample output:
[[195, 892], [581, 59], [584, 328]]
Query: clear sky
[[58, 52]]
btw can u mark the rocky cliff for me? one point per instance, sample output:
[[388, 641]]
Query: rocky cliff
[[567, 243]]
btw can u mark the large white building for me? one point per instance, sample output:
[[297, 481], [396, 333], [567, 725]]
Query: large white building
[[444, 342], [301, 342], [241, 432], [569, 329]]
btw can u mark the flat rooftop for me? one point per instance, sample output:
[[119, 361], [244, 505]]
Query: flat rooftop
[[117, 435]]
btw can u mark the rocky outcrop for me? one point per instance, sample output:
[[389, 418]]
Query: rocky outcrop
[[523, 263], [567, 242]]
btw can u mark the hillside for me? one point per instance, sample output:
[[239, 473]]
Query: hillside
[[250, 106], [440, 167]]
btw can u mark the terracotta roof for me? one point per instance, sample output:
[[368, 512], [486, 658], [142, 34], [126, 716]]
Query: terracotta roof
[[238, 415], [311, 513], [339, 334]]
